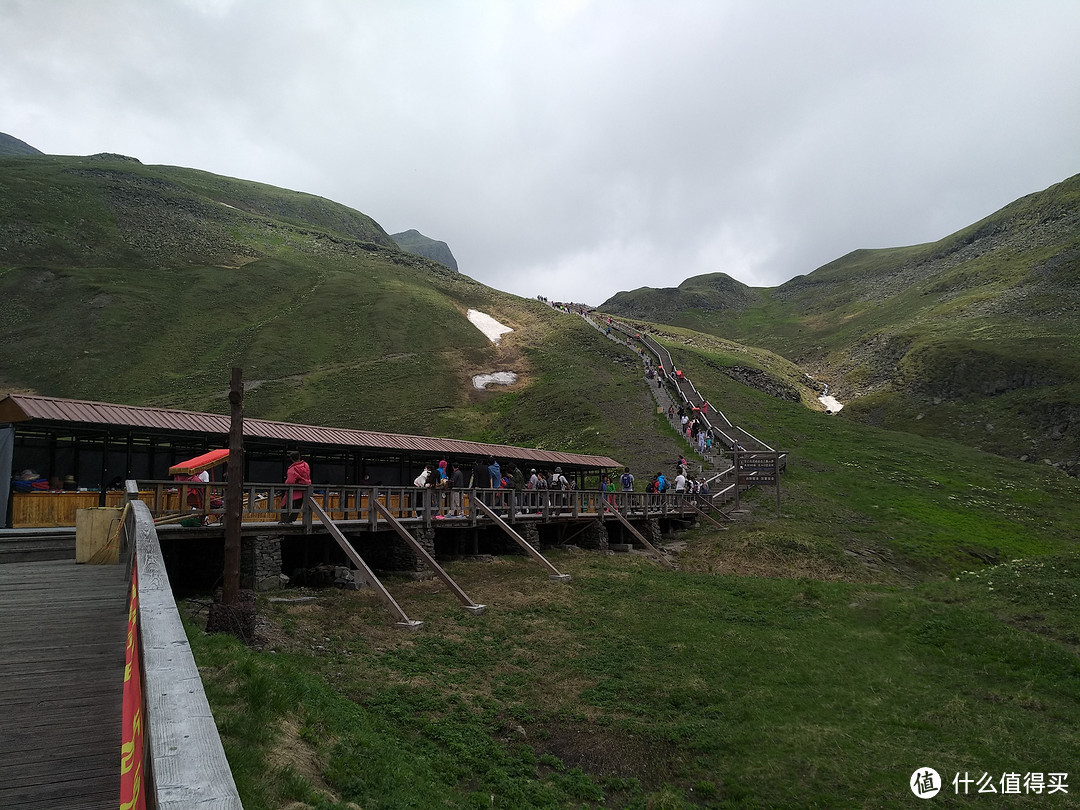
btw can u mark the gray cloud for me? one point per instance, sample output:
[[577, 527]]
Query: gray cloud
[[577, 148]]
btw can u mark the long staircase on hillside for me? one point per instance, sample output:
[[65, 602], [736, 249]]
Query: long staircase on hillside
[[746, 449]]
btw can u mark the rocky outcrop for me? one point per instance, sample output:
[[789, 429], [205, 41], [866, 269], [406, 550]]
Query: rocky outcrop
[[414, 242], [759, 380]]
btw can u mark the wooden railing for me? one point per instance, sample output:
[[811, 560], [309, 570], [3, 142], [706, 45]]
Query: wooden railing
[[182, 763], [170, 501]]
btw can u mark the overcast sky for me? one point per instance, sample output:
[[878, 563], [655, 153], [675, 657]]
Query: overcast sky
[[575, 148]]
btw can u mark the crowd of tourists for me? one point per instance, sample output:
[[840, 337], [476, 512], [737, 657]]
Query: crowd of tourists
[[693, 425], [450, 478]]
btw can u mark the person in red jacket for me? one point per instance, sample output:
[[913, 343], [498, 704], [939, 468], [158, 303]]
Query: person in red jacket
[[299, 475]]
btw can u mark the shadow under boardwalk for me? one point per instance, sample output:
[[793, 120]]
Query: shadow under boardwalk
[[62, 634]]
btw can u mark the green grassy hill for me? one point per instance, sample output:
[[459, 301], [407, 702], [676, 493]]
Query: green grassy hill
[[146, 284], [972, 337], [696, 298]]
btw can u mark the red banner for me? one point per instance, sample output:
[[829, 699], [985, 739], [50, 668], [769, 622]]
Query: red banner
[[132, 792]]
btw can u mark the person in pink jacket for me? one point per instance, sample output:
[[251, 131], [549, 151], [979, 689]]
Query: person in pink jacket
[[299, 475]]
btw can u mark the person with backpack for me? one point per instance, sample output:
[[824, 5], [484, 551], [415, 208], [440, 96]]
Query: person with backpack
[[653, 491], [557, 483], [661, 483], [542, 500], [627, 481]]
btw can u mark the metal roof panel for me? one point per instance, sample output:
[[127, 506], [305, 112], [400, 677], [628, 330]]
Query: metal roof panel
[[53, 409]]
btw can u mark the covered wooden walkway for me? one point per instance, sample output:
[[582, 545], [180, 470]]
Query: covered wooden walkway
[[62, 635]]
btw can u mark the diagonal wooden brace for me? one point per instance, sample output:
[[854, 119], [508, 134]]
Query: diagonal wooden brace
[[553, 572], [470, 606], [652, 549], [367, 573]]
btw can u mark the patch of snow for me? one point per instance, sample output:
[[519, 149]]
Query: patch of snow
[[488, 325], [831, 403], [482, 381]]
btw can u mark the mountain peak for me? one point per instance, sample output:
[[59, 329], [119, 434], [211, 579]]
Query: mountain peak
[[10, 145], [414, 242]]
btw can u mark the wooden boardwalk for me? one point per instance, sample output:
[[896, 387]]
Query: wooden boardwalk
[[62, 635]]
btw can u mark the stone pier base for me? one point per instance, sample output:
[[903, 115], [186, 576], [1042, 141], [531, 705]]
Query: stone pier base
[[530, 534], [595, 536], [650, 529], [402, 558], [260, 562]]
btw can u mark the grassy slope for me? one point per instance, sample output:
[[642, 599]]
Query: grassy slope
[[970, 337], [817, 659], [634, 687], [811, 660]]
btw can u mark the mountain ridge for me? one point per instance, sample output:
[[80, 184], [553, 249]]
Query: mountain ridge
[[971, 336]]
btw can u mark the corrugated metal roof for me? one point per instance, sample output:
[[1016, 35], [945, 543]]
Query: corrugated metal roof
[[25, 407]]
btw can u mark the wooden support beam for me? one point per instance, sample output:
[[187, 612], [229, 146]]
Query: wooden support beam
[[553, 573], [365, 572], [652, 549], [470, 606]]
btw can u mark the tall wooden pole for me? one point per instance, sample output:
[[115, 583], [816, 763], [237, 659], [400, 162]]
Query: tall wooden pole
[[234, 490]]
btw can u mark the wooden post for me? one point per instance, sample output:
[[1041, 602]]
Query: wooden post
[[738, 474], [776, 472], [234, 490]]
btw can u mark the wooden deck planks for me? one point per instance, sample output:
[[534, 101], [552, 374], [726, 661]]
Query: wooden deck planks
[[62, 634]]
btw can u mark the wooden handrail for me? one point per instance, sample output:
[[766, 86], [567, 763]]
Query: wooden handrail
[[183, 740]]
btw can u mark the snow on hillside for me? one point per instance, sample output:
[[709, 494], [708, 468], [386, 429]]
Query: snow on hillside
[[488, 325], [482, 381]]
